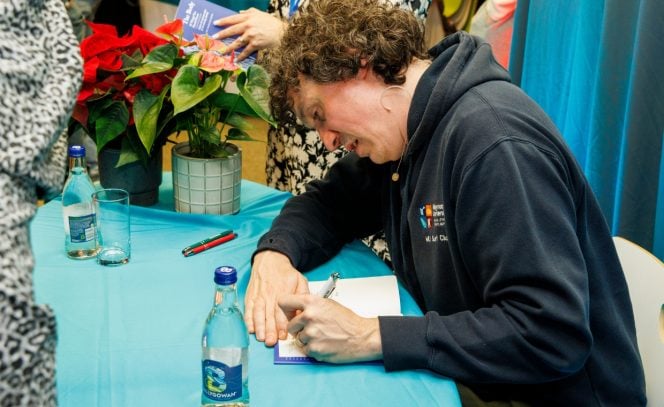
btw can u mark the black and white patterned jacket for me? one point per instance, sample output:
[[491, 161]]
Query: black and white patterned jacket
[[40, 75]]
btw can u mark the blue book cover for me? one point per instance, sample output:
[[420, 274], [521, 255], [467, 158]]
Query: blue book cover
[[198, 17]]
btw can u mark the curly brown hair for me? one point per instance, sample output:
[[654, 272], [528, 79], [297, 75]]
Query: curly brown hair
[[332, 39]]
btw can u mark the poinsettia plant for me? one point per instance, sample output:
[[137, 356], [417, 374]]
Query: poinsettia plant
[[140, 88]]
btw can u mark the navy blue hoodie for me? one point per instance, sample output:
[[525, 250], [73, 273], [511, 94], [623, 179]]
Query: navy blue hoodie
[[495, 232]]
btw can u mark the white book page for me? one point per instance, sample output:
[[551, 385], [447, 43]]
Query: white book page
[[368, 297]]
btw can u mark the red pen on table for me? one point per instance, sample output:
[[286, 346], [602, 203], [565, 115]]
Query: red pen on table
[[190, 251]]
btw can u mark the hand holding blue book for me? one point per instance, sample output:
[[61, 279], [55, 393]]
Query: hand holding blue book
[[198, 17]]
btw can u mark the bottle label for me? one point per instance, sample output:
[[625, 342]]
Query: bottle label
[[82, 228], [221, 382]]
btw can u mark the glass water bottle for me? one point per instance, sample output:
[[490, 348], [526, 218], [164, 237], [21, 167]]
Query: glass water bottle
[[77, 208], [225, 360]]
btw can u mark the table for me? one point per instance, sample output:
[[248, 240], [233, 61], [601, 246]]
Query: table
[[130, 336]]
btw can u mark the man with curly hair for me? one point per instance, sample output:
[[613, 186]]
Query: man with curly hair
[[492, 226], [295, 154]]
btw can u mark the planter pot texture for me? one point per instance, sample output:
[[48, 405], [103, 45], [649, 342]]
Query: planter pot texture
[[206, 185], [140, 181]]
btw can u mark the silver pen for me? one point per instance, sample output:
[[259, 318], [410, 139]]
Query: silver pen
[[329, 286]]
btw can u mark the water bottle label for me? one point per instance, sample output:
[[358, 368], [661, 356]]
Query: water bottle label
[[82, 228], [221, 382]]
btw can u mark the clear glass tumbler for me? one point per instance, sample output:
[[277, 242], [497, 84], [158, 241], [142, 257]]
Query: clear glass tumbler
[[113, 231]]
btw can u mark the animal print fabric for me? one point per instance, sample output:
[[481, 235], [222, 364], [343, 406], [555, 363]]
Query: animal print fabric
[[40, 74], [296, 155]]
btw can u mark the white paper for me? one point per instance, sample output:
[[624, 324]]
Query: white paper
[[368, 297]]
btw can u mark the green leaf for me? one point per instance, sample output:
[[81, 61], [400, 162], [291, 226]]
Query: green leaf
[[253, 85], [186, 92], [210, 135], [147, 108], [111, 123], [128, 154], [131, 61], [238, 121], [237, 134], [159, 59], [221, 151], [96, 109], [231, 101]]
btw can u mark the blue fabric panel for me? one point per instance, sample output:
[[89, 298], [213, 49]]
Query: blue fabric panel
[[658, 245], [643, 131], [596, 69]]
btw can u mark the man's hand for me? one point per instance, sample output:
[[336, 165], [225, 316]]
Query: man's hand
[[255, 30], [330, 332], [272, 275]]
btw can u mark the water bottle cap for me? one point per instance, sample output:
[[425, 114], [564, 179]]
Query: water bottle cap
[[76, 151], [225, 275]]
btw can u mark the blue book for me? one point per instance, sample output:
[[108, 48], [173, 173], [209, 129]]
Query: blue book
[[197, 18]]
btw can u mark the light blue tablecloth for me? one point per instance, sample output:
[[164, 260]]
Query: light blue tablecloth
[[130, 336]]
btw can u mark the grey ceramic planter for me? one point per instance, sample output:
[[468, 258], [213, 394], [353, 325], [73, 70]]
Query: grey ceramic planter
[[206, 185]]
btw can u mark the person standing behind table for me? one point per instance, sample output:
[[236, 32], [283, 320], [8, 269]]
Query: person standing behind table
[[494, 21], [492, 226], [295, 154], [40, 74]]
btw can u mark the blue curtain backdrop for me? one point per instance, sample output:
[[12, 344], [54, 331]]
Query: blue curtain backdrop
[[597, 68]]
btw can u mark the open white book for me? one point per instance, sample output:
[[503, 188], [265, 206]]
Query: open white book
[[366, 296]]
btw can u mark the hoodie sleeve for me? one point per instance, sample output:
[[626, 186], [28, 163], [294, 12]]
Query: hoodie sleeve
[[314, 226]]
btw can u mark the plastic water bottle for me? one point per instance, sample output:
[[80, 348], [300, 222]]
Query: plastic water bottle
[[77, 208], [225, 346]]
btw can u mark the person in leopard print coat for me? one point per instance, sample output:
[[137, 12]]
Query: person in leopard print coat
[[295, 154], [40, 75]]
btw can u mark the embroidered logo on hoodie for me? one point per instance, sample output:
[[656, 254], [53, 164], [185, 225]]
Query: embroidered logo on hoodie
[[432, 216]]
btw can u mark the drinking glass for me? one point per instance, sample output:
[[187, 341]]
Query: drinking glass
[[113, 232]]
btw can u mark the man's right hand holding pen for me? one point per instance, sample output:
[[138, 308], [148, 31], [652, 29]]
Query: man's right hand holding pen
[[328, 331]]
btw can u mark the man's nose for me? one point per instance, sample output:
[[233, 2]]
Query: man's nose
[[331, 139]]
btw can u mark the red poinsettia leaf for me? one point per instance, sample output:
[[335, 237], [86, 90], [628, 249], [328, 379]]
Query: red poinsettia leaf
[[115, 81], [102, 42], [154, 83], [110, 60], [80, 114], [90, 70], [145, 40], [93, 45], [86, 92], [99, 28]]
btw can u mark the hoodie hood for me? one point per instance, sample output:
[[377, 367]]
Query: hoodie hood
[[460, 62]]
